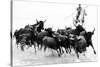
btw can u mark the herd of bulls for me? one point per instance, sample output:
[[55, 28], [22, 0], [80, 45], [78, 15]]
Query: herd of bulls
[[62, 40]]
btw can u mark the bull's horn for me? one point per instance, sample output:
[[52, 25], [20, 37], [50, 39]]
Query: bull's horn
[[45, 20], [93, 31], [36, 20]]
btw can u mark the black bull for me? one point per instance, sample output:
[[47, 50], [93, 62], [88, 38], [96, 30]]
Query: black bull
[[48, 41], [27, 35], [52, 43], [56, 43], [41, 35], [79, 45]]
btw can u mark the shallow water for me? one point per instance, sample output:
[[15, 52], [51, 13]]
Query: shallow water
[[29, 57]]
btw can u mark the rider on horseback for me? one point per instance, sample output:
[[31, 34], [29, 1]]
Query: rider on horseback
[[79, 9], [81, 13]]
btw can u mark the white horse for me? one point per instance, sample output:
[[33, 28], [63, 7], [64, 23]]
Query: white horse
[[82, 15], [81, 18]]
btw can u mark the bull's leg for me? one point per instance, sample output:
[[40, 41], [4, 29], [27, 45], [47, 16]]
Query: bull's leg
[[66, 50], [84, 54], [22, 47], [41, 46], [69, 50], [35, 47], [77, 54], [27, 47], [58, 53], [17, 43], [45, 48], [92, 47], [60, 50], [31, 44]]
